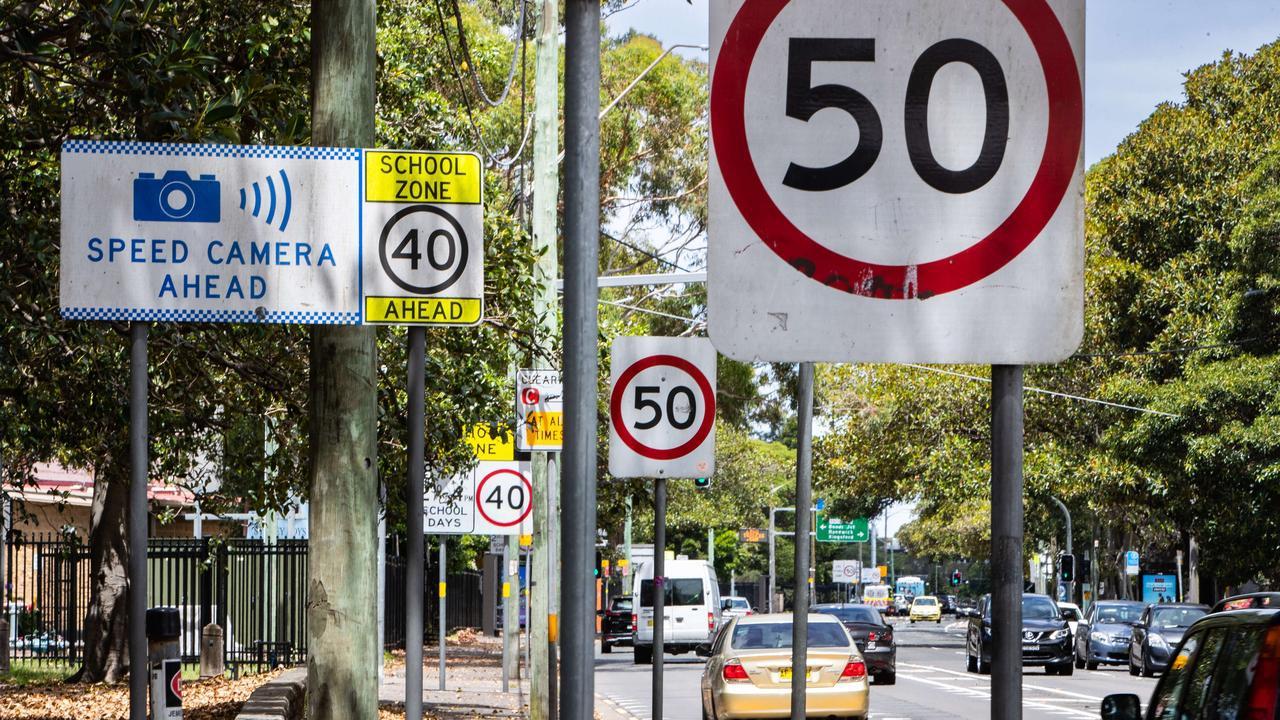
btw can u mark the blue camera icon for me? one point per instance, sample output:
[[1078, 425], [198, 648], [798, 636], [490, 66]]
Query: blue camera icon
[[177, 198]]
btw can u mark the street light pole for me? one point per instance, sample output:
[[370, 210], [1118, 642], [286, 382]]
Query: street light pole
[[1071, 586]]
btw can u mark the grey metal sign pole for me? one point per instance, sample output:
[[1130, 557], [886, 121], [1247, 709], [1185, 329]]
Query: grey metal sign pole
[[659, 591], [444, 574], [1071, 586], [1006, 541], [139, 463], [804, 500], [581, 262], [773, 566], [414, 566]]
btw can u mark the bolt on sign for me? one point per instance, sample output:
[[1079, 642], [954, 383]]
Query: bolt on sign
[[539, 410], [424, 220], [896, 180], [172, 232]]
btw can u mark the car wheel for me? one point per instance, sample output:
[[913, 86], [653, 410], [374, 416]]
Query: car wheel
[[939, 621], [1091, 665], [644, 655], [913, 621], [1133, 669], [1146, 667], [984, 667], [1079, 663], [971, 663], [1067, 670], [889, 678], [605, 648]]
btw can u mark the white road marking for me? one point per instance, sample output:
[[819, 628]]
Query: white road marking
[[984, 692]]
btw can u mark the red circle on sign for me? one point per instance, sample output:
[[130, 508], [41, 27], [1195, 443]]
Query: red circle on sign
[[897, 282], [528, 506], [708, 398], [529, 396]]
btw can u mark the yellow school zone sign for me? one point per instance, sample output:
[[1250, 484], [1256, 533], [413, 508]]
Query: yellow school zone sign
[[487, 445], [423, 238]]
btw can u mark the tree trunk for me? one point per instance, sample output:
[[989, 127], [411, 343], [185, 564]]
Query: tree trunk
[[342, 633], [106, 624]]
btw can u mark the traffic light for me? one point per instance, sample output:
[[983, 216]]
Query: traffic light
[[955, 578], [597, 565], [702, 483], [1067, 568]]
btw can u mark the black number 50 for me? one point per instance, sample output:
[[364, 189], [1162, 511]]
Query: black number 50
[[804, 101], [641, 403]]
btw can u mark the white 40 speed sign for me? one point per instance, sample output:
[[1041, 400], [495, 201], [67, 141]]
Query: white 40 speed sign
[[896, 180], [662, 408]]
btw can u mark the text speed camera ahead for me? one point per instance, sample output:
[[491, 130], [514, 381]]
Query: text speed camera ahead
[[897, 180], [662, 408], [424, 216]]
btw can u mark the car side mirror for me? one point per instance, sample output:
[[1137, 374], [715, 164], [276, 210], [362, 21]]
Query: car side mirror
[[1121, 707], [703, 650]]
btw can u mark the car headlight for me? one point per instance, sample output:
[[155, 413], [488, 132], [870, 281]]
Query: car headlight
[[1060, 634], [1157, 641], [1099, 637]]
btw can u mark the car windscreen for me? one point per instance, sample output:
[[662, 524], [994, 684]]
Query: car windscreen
[[1119, 614], [679, 591], [851, 614], [622, 605], [1175, 617], [740, 603], [1039, 608], [766, 636], [925, 602]]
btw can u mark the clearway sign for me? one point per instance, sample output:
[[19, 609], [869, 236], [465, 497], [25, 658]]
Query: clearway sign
[[173, 232], [896, 180]]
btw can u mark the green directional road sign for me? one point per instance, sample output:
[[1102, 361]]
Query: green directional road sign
[[835, 530]]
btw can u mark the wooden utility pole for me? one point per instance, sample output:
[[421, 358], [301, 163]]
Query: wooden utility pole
[[546, 518], [342, 652]]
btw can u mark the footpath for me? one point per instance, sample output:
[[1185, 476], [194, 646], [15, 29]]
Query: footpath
[[473, 684]]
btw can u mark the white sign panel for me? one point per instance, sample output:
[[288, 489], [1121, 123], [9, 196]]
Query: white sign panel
[[897, 180], [539, 410], [845, 571], [662, 408], [424, 230], [210, 233], [1131, 563], [870, 576], [496, 498]]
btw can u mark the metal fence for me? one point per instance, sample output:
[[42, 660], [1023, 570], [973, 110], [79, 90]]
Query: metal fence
[[254, 590]]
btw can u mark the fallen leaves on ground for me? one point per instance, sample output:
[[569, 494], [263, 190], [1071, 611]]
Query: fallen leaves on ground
[[213, 699]]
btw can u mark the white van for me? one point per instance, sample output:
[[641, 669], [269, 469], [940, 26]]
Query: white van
[[692, 607]]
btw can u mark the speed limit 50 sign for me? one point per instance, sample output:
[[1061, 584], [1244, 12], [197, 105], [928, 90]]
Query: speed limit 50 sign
[[897, 180], [662, 408]]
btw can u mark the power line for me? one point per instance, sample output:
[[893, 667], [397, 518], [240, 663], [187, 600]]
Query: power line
[[1042, 391], [1175, 351], [471, 68]]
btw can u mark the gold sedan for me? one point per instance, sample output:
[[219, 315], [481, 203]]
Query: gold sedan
[[748, 671]]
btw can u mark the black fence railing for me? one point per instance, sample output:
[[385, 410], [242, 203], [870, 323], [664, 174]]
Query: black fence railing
[[256, 591]]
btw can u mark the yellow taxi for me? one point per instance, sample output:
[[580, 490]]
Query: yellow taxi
[[926, 607], [748, 670]]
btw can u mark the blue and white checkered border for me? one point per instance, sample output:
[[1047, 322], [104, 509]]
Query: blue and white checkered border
[[280, 317], [129, 147]]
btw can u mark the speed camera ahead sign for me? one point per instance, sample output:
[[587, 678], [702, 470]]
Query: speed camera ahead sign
[[897, 180], [662, 408]]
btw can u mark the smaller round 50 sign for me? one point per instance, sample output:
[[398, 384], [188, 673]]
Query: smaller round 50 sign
[[662, 408]]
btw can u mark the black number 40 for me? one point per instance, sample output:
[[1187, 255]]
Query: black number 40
[[805, 100], [642, 402]]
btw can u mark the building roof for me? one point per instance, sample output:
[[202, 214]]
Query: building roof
[[52, 483]]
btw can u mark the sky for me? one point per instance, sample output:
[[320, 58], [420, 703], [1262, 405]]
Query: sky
[[1137, 50]]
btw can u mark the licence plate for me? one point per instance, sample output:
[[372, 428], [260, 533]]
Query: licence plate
[[1030, 646], [785, 674], [871, 646]]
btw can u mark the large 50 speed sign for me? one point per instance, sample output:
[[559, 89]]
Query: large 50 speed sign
[[897, 180], [662, 408]]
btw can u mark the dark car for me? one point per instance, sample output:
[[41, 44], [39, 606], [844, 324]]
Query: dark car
[[1046, 637], [872, 635], [616, 625], [949, 604], [1102, 637], [1258, 600], [1156, 634], [1227, 666]]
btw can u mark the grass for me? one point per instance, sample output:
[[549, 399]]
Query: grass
[[32, 672]]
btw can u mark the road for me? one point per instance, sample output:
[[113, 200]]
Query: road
[[932, 683]]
